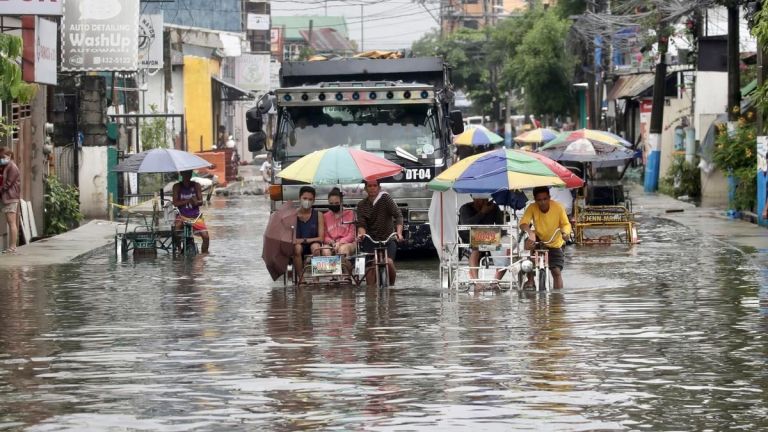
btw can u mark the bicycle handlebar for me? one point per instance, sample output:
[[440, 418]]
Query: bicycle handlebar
[[551, 239], [382, 242]]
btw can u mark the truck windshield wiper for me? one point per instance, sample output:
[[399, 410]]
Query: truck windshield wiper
[[403, 154]]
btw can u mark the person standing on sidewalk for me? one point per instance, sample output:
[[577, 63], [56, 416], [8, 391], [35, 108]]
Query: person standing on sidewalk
[[10, 192]]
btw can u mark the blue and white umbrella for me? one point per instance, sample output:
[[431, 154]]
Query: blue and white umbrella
[[161, 161]]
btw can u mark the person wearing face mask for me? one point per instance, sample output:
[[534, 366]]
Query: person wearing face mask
[[11, 193], [339, 227], [310, 230]]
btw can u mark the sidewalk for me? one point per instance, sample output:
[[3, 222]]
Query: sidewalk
[[63, 248], [711, 222]]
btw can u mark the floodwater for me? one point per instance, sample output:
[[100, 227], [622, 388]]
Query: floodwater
[[668, 334]]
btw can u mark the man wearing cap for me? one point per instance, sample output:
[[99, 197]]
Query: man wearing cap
[[478, 212]]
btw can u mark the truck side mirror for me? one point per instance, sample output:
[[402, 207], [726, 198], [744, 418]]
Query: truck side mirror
[[265, 103], [253, 120], [457, 122], [256, 141]]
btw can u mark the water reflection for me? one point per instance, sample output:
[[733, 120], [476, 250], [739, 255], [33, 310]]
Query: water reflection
[[668, 333]]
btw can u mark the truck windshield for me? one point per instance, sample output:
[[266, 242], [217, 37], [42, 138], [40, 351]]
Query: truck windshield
[[380, 129]]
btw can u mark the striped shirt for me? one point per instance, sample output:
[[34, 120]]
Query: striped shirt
[[379, 220]]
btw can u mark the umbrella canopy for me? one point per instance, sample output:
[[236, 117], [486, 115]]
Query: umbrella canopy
[[278, 240], [596, 136], [477, 136], [585, 150], [339, 165], [540, 135], [504, 169], [161, 161]]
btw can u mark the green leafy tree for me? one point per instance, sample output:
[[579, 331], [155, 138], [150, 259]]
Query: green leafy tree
[[543, 67], [12, 88], [62, 206]]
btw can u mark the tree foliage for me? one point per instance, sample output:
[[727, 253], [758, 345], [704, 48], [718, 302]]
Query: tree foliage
[[11, 86], [527, 52]]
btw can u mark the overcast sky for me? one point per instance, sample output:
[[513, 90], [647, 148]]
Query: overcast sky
[[387, 24]]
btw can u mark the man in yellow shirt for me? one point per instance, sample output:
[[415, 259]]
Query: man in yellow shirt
[[547, 216]]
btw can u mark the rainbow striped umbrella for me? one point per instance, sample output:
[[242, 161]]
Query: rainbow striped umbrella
[[596, 136], [339, 165], [540, 135], [504, 169], [477, 136]]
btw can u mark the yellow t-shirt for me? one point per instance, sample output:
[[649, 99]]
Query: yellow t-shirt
[[546, 223]]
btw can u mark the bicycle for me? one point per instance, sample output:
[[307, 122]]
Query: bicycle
[[185, 245], [538, 263], [380, 262]]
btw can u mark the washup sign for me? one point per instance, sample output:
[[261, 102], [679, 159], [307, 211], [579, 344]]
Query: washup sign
[[100, 35]]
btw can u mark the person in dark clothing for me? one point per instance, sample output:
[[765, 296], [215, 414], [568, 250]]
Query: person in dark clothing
[[378, 216], [310, 230], [478, 212]]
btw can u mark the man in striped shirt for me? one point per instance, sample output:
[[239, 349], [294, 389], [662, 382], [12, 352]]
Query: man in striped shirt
[[378, 216]]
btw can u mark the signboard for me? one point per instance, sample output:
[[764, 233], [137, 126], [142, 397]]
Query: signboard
[[27, 7], [326, 265], [276, 43], [39, 57], [485, 238], [762, 157], [151, 41], [100, 35], [257, 22], [253, 72]]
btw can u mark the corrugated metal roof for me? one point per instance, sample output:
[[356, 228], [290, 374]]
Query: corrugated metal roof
[[629, 86], [294, 24], [327, 40]]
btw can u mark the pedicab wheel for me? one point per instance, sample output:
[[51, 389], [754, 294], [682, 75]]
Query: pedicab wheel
[[543, 280], [383, 276], [123, 246]]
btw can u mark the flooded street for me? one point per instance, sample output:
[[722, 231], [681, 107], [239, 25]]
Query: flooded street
[[668, 334]]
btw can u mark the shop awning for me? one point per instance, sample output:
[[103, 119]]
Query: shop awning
[[629, 86], [230, 92]]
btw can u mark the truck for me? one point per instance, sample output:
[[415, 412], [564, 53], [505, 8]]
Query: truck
[[400, 109]]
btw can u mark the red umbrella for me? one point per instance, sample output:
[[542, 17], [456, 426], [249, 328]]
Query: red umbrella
[[571, 180], [278, 240]]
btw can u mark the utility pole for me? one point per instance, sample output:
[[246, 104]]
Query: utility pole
[[734, 88], [653, 161], [362, 38]]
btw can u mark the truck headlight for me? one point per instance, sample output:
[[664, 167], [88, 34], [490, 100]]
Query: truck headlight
[[418, 216]]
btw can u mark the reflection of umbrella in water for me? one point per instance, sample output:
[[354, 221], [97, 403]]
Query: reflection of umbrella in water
[[161, 161], [278, 240]]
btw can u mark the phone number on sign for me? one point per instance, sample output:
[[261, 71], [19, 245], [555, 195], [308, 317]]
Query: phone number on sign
[[112, 60]]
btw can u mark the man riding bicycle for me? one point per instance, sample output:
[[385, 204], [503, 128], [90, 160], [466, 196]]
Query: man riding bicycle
[[548, 217], [188, 197], [378, 216]]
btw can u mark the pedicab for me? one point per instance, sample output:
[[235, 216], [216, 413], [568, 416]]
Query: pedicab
[[500, 174], [603, 205], [146, 231], [341, 166]]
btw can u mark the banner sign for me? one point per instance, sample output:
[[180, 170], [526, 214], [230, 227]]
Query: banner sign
[[257, 22], [100, 35], [39, 57], [27, 7], [762, 153], [151, 41], [253, 72], [485, 239], [326, 265], [276, 43]]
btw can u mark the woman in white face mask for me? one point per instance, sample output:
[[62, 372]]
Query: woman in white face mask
[[339, 227], [310, 230], [11, 193]]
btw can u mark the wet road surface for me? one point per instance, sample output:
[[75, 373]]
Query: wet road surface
[[668, 334]]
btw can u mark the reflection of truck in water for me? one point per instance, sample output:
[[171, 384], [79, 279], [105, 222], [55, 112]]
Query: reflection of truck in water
[[395, 108]]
